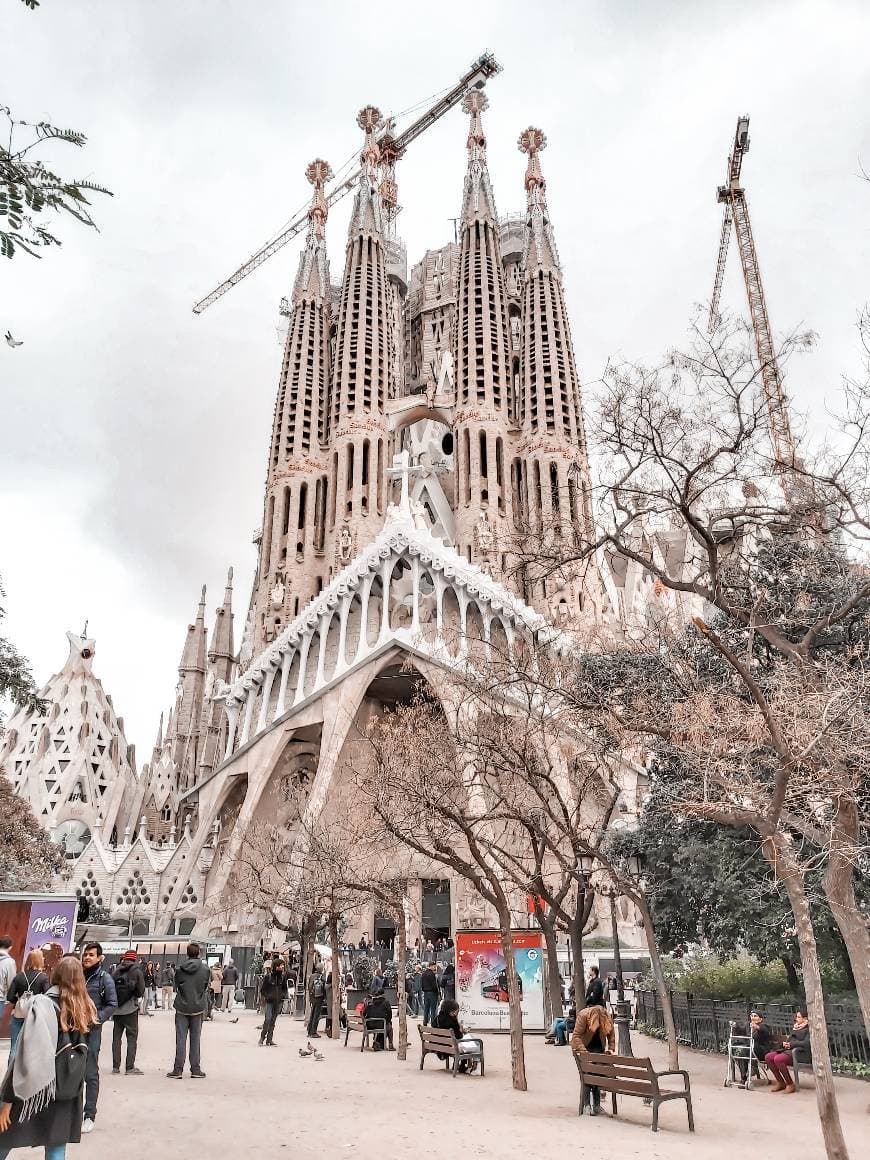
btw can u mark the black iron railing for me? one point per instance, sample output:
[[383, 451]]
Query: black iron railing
[[704, 1023]]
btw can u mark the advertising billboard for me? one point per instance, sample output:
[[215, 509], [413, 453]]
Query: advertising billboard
[[481, 979], [37, 920]]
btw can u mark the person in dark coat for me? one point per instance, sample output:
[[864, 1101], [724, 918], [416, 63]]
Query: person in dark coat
[[448, 982], [594, 989], [378, 1007], [797, 1043], [129, 989], [274, 991], [101, 988], [429, 993], [31, 981], [34, 1113], [191, 985], [447, 1019]]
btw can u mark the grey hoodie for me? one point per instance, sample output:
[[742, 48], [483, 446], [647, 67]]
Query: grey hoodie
[[191, 984]]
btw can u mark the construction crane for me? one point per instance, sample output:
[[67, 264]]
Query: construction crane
[[392, 148], [733, 197]]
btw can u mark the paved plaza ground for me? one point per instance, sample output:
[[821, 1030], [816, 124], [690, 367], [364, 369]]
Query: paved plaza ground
[[260, 1101]]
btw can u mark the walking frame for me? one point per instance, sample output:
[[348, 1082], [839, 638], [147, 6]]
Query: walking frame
[[741, 1053]]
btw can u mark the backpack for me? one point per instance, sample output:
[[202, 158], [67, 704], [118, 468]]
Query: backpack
[[125, 987], [25, 1001], [70, 1062]]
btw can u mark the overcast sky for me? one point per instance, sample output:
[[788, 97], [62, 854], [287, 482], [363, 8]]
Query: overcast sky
[[134, 434]]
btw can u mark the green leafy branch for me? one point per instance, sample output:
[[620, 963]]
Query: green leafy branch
[[29, 188]]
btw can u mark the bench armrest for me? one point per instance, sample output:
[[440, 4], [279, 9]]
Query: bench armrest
[[677, 1071]]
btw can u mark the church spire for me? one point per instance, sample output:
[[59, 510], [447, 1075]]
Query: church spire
[[220, 653], [478, 201], [554, 482], [193, 654]]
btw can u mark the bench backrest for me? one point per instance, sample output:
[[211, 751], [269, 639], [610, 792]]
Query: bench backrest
[[617, 1073], [356, 1022], [437, 1038]]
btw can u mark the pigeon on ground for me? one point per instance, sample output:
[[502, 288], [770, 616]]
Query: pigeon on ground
[[304, 1053], [309, 1048], [13, 342], [318, 1057]]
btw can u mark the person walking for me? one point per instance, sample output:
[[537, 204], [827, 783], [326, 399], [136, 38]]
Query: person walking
[[27, 983], [167, 984], [593, 1032], [414, 997], [274, 991], [153, 985], [191, 985], [147, 970], [129, 989], [594, 989], [101, 988], [448, 982], [7, 968], [41, 1097], [229, 983], [317, 995], [215, 983], [429, 993]]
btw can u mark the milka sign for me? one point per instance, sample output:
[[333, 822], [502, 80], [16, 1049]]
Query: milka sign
[[52, 922]]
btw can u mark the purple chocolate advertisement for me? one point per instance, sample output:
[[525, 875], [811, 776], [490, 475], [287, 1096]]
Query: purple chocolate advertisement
[[52, 924]]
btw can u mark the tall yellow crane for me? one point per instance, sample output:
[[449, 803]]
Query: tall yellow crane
[[733, 196], [479, 73]]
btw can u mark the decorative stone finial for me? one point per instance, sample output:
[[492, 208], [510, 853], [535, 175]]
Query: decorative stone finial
[[369, 120], [317, 172], [532, 141]]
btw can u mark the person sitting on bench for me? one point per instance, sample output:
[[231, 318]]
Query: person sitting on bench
[[378, 1007], [798, 1042], [448, 1020], [560, 1032], [761, 1041], [593, 1032]]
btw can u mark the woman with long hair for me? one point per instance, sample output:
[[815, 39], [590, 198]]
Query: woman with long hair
[[42, 1091], [30, 981]]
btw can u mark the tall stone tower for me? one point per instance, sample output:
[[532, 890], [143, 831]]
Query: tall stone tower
[[361, 372], [483, 429], [550, 477], [72, 762], [291, 567]]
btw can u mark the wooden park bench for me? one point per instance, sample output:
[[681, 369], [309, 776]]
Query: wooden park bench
[[625, 1075], [442, 1041], [356, 1022]]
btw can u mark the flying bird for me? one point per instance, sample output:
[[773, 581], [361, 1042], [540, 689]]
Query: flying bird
[[13, 342]]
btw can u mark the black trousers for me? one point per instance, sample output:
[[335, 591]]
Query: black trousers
[[269, 1019], [129, 1024], [314, 1017], [92, 1072]]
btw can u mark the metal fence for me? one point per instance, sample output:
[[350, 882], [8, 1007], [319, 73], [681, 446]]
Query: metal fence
[[704, 1023]]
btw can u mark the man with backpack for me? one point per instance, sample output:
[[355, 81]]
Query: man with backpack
[[129, 987], [317, 995], [101, 988]]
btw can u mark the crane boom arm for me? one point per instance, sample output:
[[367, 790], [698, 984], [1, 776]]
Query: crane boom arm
[[724, 239], [483, 68]]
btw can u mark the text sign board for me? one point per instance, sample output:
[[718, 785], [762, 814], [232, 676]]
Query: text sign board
[[481, 979]]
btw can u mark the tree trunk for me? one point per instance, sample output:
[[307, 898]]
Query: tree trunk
[[306, 958], [401, 984], [518, 1057], [335, 1013], [661, 985], [554, 1005], [838, 884], [785, 867], [575, 936], [794, 983]]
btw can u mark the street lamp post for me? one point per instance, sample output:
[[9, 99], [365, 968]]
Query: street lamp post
[[621, 1008]]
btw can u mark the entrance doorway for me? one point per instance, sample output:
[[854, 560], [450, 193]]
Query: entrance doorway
[[436, 909]]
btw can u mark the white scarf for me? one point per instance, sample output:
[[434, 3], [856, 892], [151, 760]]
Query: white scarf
[[33, 1068]]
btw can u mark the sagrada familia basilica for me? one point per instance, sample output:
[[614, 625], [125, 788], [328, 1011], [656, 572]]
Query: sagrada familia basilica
[[420, 423]]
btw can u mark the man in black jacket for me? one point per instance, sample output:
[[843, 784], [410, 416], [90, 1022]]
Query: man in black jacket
[[274, 991], [429, 993], [191, 984], [101, 988], [129, 989], [594, 989]]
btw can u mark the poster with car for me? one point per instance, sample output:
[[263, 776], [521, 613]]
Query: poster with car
[[481, 979]]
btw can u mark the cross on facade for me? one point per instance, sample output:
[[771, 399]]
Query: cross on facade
[[403, 469]]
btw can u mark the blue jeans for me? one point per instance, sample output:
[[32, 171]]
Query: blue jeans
[[430, 1006], [14, 1031], [560, 1032], [92, 1072], [52, 1152]]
